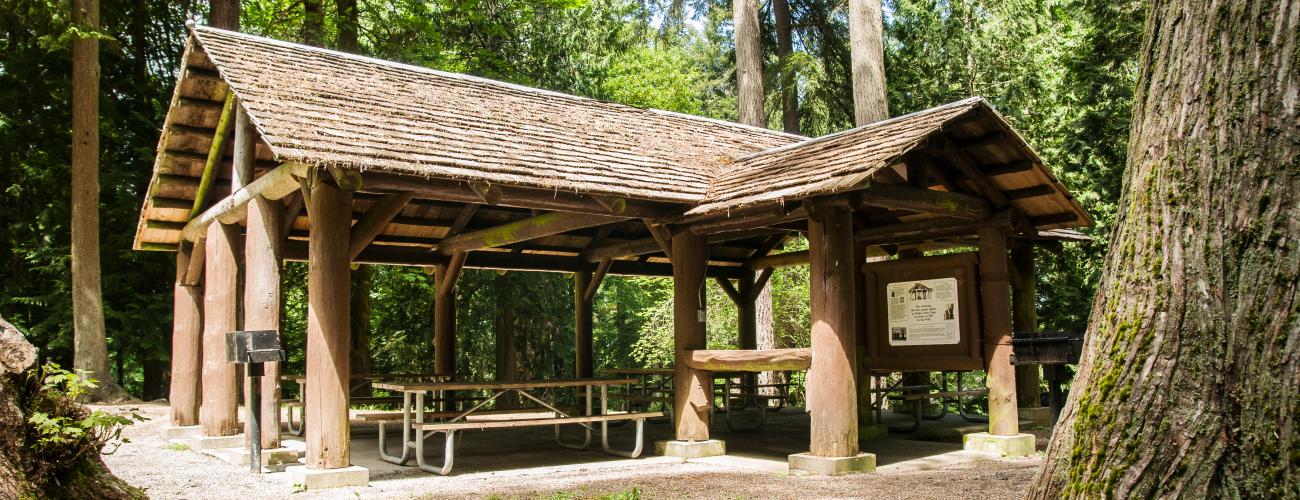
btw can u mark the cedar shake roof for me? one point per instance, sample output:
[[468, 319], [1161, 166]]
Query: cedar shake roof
[[325, 108]]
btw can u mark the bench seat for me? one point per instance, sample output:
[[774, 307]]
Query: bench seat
[[389, 416], [501, 424], [945, 394]]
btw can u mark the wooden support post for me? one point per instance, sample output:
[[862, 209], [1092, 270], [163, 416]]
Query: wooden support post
[[832, 391], [219, 412], [582, 325], [187, 330], [747, 311], [692, 390], [866, 398], [262, 257], [1024, 318], [263, 249], [328, 327], [444, 319], [995, 297]]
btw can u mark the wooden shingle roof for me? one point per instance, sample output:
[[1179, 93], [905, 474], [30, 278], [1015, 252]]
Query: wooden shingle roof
[[319, 106]]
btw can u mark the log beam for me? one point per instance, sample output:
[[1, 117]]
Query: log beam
[[541, 199], [940, 203], [523, 230], [273, 185], [747, 360], [214, 155], [328, 328]]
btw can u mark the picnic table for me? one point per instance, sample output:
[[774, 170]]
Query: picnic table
[[417, 425], [916, 395], [355, 381], [652, 385], [738, 391]]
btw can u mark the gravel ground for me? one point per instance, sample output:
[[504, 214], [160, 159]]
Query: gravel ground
[[148, 462]]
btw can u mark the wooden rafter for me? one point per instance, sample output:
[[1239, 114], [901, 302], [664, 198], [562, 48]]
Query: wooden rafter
[[940, 203], [374, 220], [523, 230]]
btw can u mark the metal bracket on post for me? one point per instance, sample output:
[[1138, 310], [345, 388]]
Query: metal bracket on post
[[254, 348]]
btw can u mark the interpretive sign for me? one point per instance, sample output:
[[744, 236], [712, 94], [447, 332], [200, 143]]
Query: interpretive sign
[[923, 312]]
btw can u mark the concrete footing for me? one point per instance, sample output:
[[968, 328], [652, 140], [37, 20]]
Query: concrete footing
[[171, 432], [804, 464], [1040, 415], [1017, 445], [272, 460], [314, 479], [869, 432], [691, 449], [215, 442]]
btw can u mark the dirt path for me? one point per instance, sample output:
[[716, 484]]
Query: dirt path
[[148, 462]]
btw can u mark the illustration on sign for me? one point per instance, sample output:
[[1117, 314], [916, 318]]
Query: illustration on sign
[[923, 312]]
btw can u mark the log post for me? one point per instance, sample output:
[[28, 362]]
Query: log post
[[692, 389], [219, 413], [832, 391], [328, 337], [747, 320], [262, 256], [995, 297], [444, 320], [866, 399], [187, 330], [582, 321], [1024, 318]]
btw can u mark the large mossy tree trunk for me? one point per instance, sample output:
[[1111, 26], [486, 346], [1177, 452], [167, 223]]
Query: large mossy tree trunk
[[1190, 382]]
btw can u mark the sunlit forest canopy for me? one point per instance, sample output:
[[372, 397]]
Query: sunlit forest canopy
[[1060, 70]]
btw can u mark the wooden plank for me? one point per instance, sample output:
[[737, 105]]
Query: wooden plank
[[786, 259], [187, 335], [375, 219], [995, 307], [693, 393], [328, 328], [940, 203], [523, 230], [1031, 192], [498, 385], [832, 389], [744, 360], [1015, 167], [274, 185]]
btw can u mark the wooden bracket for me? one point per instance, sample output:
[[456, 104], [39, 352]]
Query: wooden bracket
[[348, 180], [596, 278], [490, 194], [760, 282], [730, 289], [614, 204], [462, 219], [198, 256], [374, 220], [661, 236], [454, 265], [291, 213]]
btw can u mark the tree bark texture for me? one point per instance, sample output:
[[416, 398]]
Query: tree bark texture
[[90, 347], [187, 335], [347, 25], [749, 63], [789, 79], [224, 14], [313, 22], [867, 54], [1190, 382]]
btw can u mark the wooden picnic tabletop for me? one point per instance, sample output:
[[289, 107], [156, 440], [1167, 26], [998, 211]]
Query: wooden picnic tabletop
[[500, 384], [369, 376]]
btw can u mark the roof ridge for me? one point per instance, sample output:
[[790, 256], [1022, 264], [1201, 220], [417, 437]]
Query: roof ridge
[[198, 29]]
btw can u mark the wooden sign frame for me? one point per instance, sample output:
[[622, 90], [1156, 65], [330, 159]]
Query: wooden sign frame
[[967, 354]]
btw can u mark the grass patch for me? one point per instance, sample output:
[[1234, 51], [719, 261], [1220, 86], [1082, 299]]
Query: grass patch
[[177, 446]]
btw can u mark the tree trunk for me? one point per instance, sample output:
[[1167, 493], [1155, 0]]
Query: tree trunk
[[347, 25], [749, 63], [870, 103], [313, 22], [1190, 382], [362, 359], [224, 14], [90, 348], [789, 80]]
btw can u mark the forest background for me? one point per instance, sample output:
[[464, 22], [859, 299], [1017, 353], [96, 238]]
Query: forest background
[[1062, 71]]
